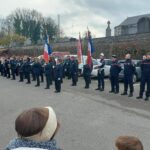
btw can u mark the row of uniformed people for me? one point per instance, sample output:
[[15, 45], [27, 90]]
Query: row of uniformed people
[[54, 71], [70, 69], [129, 72]]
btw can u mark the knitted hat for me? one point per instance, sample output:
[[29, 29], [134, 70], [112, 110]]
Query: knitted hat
[[38, 124]]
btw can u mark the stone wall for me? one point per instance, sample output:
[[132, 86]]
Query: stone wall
[[137, 45]]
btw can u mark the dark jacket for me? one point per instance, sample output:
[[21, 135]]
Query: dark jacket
[[58, 72], [67, 64], [27, 67], [37, 68], [13, 64], [86, 70], [115, 69], [129, 68], [74, 67], [48, 69], [21, 66], [145, 68]]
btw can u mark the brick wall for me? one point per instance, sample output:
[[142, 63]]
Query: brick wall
[[137, 45]]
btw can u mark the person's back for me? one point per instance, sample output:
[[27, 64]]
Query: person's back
[[36, 129], [128, 143], [29, 149]]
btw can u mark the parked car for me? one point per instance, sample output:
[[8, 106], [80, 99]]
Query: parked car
[[106, 68], [94, 61], [137, 75], [80, 67]]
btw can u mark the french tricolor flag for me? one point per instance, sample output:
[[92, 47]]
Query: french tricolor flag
[[90, 49], [47, 51]]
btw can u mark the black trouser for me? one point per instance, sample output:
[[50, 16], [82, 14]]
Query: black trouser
[[114, 83], [5, 73], [37, 79], [21, 76], [48, 81], [42, 77], [67, 74], [74, 79], [145, 80], [58, 85], [128, 81], [101, 83], [8, 73], [33, 76], [17, 71], [87, 81], [27, 75], [13, 71], [2, 72]]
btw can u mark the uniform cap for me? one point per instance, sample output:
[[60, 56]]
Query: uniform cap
[[114, 56], [101, 54]]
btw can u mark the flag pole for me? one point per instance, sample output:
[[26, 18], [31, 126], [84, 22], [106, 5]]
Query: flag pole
[[81, 48]]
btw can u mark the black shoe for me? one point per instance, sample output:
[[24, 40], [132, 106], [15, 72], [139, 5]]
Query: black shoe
[[111, 91], [37, 85], [28, 82], [130, 95], [146, 99], [57, 91], [86, 87], [139, 97], [101, 90], [97, 89], [124, 93], [20, 81], [13, 79], [47, 88], [73, 85], [116, 92]]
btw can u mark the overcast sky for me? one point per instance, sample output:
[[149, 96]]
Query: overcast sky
[[76, 15]]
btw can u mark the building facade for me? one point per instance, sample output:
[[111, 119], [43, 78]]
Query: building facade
[[134, 25]]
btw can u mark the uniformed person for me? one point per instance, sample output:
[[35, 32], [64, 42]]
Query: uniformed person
[[21, 70], [87, 69], [27, 69], [114, 75], [1, 68], [7, 67], [58, 71], [53, 62], [17, 66], [48, 74], [42, 62], [13, 66], [100, 74], [32, 72], [74, 71], [145, 78], [37, 67], [129, 71], [67, 63]]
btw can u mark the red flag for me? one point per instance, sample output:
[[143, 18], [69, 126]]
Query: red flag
[[79, 53]]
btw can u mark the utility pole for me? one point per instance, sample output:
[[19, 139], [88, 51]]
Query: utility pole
[[58, 26]]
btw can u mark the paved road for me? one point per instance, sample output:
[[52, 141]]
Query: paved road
[[90, 120]]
